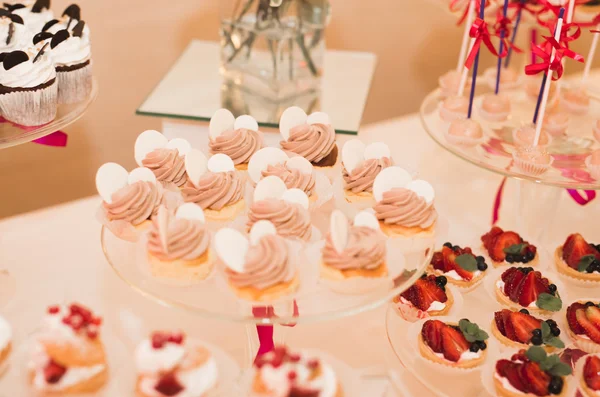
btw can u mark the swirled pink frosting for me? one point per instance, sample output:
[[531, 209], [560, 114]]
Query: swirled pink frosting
[[313, 142], [268, 263], [238, 144], [134, 203], [404, 207], [289, 219], [167, 165], [215, 190], [365, 250], [362, 177], [186, 239], [293, 178]]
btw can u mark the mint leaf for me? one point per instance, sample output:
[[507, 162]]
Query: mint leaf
[[471, 331], [549, 302], [515, 248], [555, 342], [546, 332], [560, 369], [549, 362], [536, 353], [585, 262], [482, 335], [467, 262]]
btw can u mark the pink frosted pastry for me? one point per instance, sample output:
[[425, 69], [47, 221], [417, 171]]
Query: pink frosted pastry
[[556, 123], [449, 83], [532, 160], [593, 164], [509, 79], [523, 136], [166, 159], [454, 108], [495, 108], [466, 132], [575, 100], [360, 166], [596, 129]]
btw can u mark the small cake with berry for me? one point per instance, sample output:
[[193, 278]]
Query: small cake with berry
[[590, 377], [68, 356], [459, 345], [506, 248], [519, 329], [5, 340], [170, 366], [285, 373], [578, 259], [459, 265], [583, 319], [427, 297], [531, 372], [524, 288]]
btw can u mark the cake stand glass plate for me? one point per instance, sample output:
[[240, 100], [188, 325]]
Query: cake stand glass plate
[[494, 153], [213, 298], [13, 134]]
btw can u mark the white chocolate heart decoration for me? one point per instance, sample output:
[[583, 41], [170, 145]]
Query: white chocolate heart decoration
[[261, 229], [231, 247], [269, 187], [291, 117], [377, 151], [190, 211], [162, 221], [183, 147], [318, 118], [301, 164], [223, 120], [366, 218], [195, 165], [246, 122], [147, 142], [353, 154], [388, 179], [339, 230], [422, 189], [262, 158], [220, 163], [141, 174], [296, 196], [110, 178]]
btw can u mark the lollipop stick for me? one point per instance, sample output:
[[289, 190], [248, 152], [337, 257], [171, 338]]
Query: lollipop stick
[[499, 69], [571, 11], [465, 73], [514, 35], [465, 40], [475, 65], [590, 57]]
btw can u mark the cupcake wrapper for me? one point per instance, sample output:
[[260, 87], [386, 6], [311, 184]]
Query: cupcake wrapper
[[30, 108], [530, 168], [74, 86], [594, 169]]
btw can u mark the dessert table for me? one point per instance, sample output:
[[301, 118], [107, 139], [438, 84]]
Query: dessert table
[[54, 255]]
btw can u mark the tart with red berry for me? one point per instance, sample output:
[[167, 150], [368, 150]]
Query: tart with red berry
[[531, 372], [282, 372], [578, 259], [459, 265], [505, 248], [427, 297], [590, 377], [168, 365], [68, 356], [520, 330], [583, 319], [459, 345], [524, 288]]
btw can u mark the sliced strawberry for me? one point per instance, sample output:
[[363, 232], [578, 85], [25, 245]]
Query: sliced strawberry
[[53, 372], [512, 285], [512, 372], [508, 326], [524, 324], [590, 329], [572, 319], [432, 334], [412, 296], [591, 372], [489, 239], [437, 261], [537, 380], [499, 320], [593, 314], [429, 292], [508, 273], [450, 264], [454, 343], [531, 288], [168, 385], [575, 247]]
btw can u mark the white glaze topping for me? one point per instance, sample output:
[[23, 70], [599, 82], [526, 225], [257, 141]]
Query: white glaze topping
[[29, 74], [34, 21], [435, 305], [62, 24], [149, 360], [466, 355], [5, 333], [72, 51], [19, 37]]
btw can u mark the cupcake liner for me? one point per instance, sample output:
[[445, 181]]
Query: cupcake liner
[[593, 169], [463, 141], [412, 314], [30, 108], [449, 115], [529, 167], [74, 86]]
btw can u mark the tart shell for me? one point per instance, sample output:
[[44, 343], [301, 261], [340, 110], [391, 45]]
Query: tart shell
[[504, 300], [566, 270], [428, 354], [458, 283], [503, 392], [513, 344], [449, 302]]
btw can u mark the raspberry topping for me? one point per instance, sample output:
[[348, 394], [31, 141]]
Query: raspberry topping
[[80, 319], [168, 385], [53, 372], [159, 339]]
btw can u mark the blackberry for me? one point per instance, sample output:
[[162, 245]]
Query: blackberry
[[510, 258], [537, 332], [555, 331], [474, 347], [537, 340]]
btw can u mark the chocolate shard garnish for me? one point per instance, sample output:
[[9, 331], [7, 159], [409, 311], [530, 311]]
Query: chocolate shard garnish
[[78, 29], [16, 19], [49, 24], [4, 12], [41, 36], [39, 54], [73, 11], [3, 55], [14, 58], [13, 7], [11, 32], [40, 5], [59, 37]]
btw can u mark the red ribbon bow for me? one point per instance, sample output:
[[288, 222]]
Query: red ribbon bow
[[480, 33], [457, 5], [556, 64], [502, 30], [519, 7]]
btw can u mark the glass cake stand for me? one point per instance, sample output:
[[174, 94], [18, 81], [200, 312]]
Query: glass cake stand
[[13, 134]]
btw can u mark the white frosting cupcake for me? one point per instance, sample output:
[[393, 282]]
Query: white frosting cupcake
[[13, 33], [34, 14]]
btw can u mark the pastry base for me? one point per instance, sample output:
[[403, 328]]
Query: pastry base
[[504, 300], [535, 262], [503, 392], [85, 354], [458, 283], [511, 343], [401, 231], [565, 269], [197, 269], [330, 273], [432, 313], [427, 353], [226, 213], [90, 385], [260, 390], [270, 294], [584, 344], [5, 352], [584, 388], [361, 197], [242, 167], [144, 225]]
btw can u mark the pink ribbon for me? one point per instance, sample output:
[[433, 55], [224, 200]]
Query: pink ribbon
[[498, 202], [265, 332], [56, 139]]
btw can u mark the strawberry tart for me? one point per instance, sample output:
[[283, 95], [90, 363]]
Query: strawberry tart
[[578, 259], [583, 319], [524, 288], [519, 329], [531, 372], [590, 379], [506, 247], [427, 297], [459, 345], [459, 265]]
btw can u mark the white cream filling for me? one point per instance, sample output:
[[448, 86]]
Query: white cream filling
[[196, 382], [465, 356], [454, 275], [149, 360], [506, 384], [5, 333], [500, 286], [435, 305], [277, 382]]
